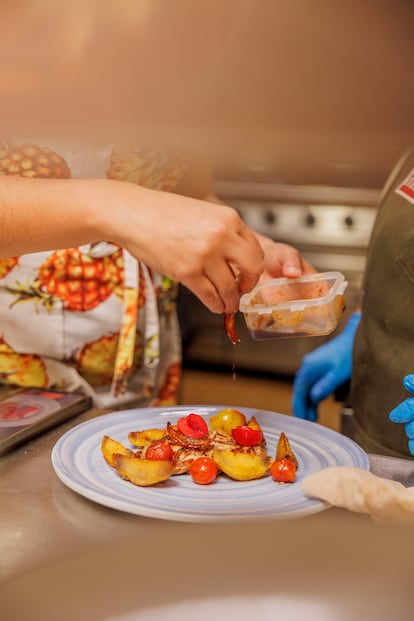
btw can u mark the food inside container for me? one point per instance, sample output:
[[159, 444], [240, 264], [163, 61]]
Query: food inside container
[[310, 305]]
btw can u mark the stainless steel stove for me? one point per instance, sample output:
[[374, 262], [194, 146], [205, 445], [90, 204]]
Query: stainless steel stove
[[331, 226]]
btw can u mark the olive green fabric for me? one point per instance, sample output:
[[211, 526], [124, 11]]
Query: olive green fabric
[[384, 342]]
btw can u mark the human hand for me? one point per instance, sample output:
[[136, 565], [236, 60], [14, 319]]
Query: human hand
[[404, 412], [323, 370], [205, 246]]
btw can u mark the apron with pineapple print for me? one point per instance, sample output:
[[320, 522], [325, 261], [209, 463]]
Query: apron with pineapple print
[[90, 318]]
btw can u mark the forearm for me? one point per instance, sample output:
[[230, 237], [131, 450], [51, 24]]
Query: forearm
[[203, 248], [45, 214], [37, 214]]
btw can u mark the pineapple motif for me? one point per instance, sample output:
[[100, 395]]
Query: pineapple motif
[[95, 361], [6, 265], [21, 369], [80, 281], [29, 160], [168, 393], [152, 168]]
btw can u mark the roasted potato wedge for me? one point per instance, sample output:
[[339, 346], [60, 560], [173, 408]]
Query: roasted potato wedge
[[110, 447], [284, 450], [242, 466], [253, 424], [142, 472], [142, 438]]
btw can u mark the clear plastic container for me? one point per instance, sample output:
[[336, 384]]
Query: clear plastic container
[[310, 305]]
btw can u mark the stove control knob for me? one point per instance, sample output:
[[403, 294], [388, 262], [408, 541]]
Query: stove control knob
[[349, 221], [310, 219], [270, 217]]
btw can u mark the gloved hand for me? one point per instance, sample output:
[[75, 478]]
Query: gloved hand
[[404, 412], [323, 370]]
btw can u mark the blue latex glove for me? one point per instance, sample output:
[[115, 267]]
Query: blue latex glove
[[404, 412], [323, 370]]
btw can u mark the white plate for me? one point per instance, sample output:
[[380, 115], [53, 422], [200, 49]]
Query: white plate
[[79, 464]]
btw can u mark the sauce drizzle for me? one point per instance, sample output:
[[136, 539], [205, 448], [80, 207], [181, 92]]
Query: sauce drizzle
[[230, 327]]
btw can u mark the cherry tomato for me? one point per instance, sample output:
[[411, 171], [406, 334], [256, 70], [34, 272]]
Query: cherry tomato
[[283, 470], [203, 470], [159, 450], [193, 426], [246, 436]]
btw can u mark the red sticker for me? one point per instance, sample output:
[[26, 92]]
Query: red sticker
[[406, 189]]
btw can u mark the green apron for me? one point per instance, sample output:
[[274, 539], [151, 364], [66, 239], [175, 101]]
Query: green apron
[[384, 342]]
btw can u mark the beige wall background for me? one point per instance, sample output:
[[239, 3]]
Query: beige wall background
[[311, 91]]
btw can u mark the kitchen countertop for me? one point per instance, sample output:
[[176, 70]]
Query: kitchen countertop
[[44, 523]]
